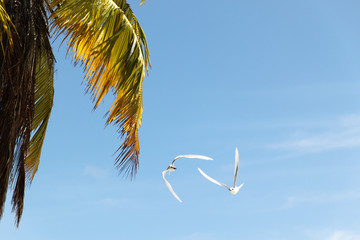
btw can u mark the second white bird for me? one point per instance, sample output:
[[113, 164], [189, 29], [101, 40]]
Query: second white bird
[[233, 190]]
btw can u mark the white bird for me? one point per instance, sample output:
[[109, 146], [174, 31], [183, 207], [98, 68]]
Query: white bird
[[172, 168], [233, 190]]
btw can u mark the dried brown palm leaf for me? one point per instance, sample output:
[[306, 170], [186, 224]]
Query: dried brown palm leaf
[[17, 94]]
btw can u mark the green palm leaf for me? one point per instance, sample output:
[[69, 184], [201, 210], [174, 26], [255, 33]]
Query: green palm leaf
[[43, 98], [106, 38]]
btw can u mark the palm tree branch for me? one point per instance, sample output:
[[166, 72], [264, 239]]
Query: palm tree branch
[[105, 37], [6, 26], [43, 98], [30, 38]]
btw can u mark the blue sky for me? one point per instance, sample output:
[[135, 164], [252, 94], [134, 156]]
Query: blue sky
[[280, 80]]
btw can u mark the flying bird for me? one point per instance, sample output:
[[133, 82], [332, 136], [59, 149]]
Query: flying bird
[[172, 168], [233, 190]]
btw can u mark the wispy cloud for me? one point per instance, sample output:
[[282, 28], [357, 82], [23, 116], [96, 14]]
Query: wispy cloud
[[343, 235], [345, 133], [333, 235], [194, 236], [293, 201], [113, 202], [110, 202], [95, 172]]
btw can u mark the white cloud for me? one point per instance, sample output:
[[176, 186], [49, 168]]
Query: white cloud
[[333, 235], [344, 134], [343, 235], [110, 201], [95, 172], [292, 201], [194, 236], [113, 202]]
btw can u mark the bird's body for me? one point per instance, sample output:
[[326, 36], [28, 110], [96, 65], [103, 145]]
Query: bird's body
[[233, 190], [172, 168]]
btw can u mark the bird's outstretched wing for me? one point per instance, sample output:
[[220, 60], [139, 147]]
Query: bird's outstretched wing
[[169, 186], [236, 165], [192, 156], [213, 180]]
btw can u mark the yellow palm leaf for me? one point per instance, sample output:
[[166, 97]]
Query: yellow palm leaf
[[5, 25], [106, 38]]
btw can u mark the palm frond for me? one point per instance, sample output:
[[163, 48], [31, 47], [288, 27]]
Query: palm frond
[[140, 34], [106, 38], [17, 98], [6, 26], [43, 98]]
